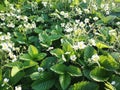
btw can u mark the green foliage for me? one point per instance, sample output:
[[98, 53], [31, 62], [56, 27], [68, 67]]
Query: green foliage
[[96, 75], [60, 44], [65, 80], [84, 85]]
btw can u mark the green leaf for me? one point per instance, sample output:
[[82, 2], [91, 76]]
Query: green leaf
[[74, 2], [116, 80], [109, 62], [17, 77], [41, 56], [74, 71], [0, 75], [88, 52], [108, 86], [48, 62], [29, 64], [59, 68], [54, 37], [35, 76], [45, 82], [57, 52], [32, 50], [43, 85], [101, 45], [100, 74], [66, 46], [84, 85], [108, 19], [25, 57], [65, 81], [14, 71], [117, 1], [17, 64]]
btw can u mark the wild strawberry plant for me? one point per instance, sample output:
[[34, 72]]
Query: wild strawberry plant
[[59, 45]]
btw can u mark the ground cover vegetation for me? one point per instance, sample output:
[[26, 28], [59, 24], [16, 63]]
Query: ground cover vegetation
[[59, 45]]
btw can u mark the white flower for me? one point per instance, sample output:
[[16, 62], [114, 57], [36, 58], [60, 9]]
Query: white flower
[[75, 47], [64, 14], [40, 69], [95, 7], [113, 32], [95, 18], [102, 5], [73, 57], [68, 30], [82, 24], [77, 21], [5, 47], [92, 42], [86, 20], [25, 18], [118, 23], [95, 58], [106, 7], [84, 1], [6, 80], [107, 12], [62, 24], [113, 82], [18, 87], [33, 25], [81, 45], [11, 25], [44, 4], [78, 10], [113, 4], [0, 32], [86, 10]]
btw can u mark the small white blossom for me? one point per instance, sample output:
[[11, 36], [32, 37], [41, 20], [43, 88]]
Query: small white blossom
[[73, 57], [18, 87], [40, 69], [0, 32], [44, 4], [102, 5], [113, 4], [82, 24], [78, 10], [66, 15], [95, 18], [95, 58], [107, 12], [113, 32], [62, 24], [92, 42], [11, 25], [87, 10], [113, 82], [86, 20], [84, 1], [118, 23], [68, 30], [95, 7], [77, 21], [81, 45], [6, 80]]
